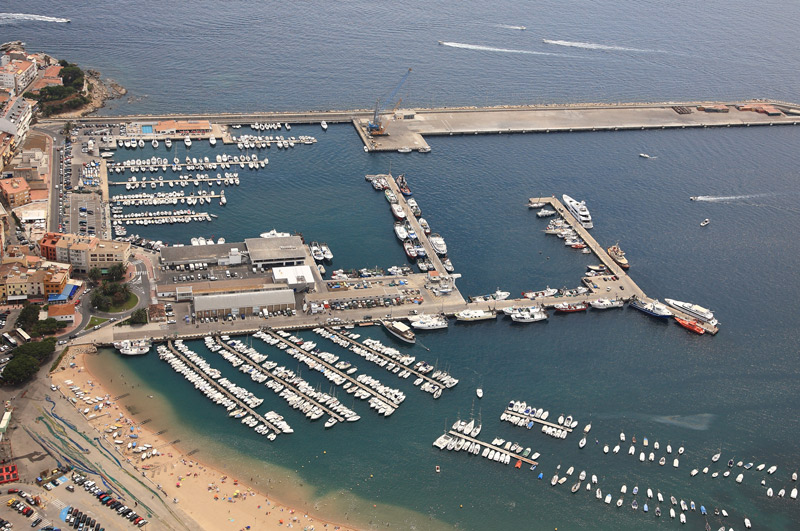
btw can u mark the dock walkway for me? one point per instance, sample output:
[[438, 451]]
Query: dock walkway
[[353, 381], [454, 433], [222, 390], [413, 371], [283, 382], [538, 421]]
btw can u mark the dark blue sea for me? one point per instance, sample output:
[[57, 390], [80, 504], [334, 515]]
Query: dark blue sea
[[620, 370]]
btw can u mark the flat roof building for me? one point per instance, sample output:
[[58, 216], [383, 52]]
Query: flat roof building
[[276, 252], [244, 303]]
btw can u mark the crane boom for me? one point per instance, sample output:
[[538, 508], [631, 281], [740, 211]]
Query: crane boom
[[375, 124]]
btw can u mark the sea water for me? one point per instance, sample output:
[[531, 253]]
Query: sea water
[[618, 369]]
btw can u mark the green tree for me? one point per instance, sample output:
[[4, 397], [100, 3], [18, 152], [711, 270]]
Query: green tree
[[95, 275], [20, 369], [117, 272], [101, 301], [28, 317], [48, 326], [139, 316]]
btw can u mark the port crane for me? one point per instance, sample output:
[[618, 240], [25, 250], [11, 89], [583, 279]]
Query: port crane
[[375, 126]]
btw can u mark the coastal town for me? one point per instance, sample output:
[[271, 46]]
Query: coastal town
[[83, 273]]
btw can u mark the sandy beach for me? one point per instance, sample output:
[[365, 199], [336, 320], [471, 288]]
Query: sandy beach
[[213, 499]]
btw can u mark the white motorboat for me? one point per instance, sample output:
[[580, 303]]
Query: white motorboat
[[400, 231], [479, 392], [168, 143], [324, 125], [212, 141], [428, 322], [187, 142], [579, 210], [603, 304], [529, 315], [705, 222], [133, 347], [475, 315], [644, 155], [545, 212], [154, 143]]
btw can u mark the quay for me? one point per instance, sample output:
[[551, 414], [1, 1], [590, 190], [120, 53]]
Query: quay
[[405, 129], [459, 435], [353, 381], [423, 238], [281, 381], [178, 217], [410, 369], [222, 390]]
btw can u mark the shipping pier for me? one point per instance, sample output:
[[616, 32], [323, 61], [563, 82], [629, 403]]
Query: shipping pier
[[222, 390]]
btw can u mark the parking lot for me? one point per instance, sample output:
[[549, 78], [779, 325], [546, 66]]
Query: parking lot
[[85, 214]]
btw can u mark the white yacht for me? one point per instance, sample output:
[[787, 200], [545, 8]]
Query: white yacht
[[428, 322], [324, 125], [603, 304], [133, 347], [274, 234], [212, 141], [438, 244], [579, 210], [400, 231], [475, 315], [187, 141], [154, 143], [168, 143], [704, 314]]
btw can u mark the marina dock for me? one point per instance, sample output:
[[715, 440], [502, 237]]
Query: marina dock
[[353, 381], [388, 359], [222, 390], [528, 418], [283, 382], [493, 447]]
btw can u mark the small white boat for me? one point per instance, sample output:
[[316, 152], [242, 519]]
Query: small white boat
[[747, 523], [716, 457], [479, 392], [187, 141], [644, 155], [324, 125], [705, 222]]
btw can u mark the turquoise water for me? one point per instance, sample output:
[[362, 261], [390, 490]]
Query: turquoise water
[[618, 369]]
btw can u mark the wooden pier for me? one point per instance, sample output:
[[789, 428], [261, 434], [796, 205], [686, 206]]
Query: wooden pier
[[353, 381], [283, 382], [413, 371], [222, 390], [531, 462]]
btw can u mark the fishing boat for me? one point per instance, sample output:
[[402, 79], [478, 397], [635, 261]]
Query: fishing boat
[[498, 295], [390, 196], [424, 224], [475, 315], [400, 331], [326, 251], [398, 212], [410, 248], [549, 292], [618, 255], [579, 211], [693, 310], [529, 315], [412, 204], [316, 252], [690, 325], [654, 309], [565, 307]]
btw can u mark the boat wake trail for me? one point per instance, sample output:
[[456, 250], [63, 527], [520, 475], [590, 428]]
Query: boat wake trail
[[725, 198], [9, 18], [594, 46], [502, 50], [699, 422], [507, 26]]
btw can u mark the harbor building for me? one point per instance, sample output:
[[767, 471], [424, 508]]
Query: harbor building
[[248, 303], [182, 127], [296, 277], [267, 253], [16, 191], [61, 312], [216, 254]]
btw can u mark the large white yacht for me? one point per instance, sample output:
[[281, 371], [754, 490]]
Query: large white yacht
[[579, 210], [133, 347], [704, 314], [428, 322], [187, 141]]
